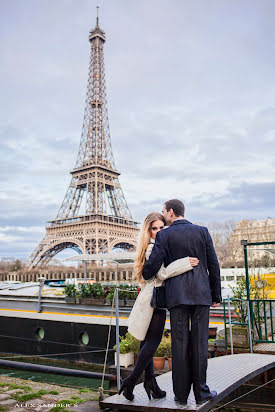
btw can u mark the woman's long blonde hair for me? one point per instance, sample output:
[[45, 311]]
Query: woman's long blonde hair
[[143, 242]]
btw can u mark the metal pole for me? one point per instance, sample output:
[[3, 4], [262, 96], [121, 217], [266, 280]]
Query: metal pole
[[225, 330], [249, 328], [245, 243], [85, 271], [41, 284], [117, 340], [246, 271], [230, 325]]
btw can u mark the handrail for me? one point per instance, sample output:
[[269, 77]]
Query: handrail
[[261, 319]]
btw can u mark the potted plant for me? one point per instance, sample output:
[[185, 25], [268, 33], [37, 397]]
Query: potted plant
[[159, 358], [85, 293], [98, 294], [77, 297], [110, 291], [220, 345], [131, 295], [70, 291], [134, 344], [211, 347], [122, 294], [126, 354]]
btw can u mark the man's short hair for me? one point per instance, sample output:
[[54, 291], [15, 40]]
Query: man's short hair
[[176, 205]]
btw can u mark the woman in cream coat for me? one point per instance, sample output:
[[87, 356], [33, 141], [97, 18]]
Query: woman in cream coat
[[146, 323]]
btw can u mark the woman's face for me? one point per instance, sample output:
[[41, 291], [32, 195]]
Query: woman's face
[[156, 226]]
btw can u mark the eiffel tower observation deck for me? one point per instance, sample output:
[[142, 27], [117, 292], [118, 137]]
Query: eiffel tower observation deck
[[106, 221]]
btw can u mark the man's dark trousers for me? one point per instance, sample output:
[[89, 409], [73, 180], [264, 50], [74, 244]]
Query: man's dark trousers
[[189, 350]]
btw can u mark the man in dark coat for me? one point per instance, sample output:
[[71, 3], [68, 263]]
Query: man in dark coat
[[188, 298]]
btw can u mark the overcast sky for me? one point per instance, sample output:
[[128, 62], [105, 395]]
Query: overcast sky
[[191, 101]]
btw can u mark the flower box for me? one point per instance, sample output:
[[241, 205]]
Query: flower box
[[239, 336], [92, 301], [69, 299], [98, 301], [130, 302], [125, 359]]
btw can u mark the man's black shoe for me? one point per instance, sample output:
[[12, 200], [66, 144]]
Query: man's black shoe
[[182, 402], [211, 396]]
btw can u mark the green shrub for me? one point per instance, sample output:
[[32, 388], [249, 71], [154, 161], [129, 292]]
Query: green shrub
[[134, 343], [128, 344], [162, 348], [85, 291], [97, 290], [70, 290]]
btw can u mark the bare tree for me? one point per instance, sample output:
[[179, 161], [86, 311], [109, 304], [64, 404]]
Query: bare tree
[[221, 234]]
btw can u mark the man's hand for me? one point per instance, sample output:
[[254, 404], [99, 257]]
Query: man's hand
[[215, 305]]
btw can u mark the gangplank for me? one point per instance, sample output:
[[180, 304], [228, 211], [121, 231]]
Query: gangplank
[[225, 374]]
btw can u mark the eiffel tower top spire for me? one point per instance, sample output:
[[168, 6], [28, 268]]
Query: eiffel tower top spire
[[97, 31], [95, 144]]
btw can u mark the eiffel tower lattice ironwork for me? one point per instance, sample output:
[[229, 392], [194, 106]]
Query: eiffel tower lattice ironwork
[[106, 221]]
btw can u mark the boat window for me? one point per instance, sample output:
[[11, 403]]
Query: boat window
[[39, 333], [84, 338]]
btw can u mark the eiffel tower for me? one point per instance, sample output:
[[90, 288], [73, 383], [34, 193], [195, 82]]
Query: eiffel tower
[[107, 221]]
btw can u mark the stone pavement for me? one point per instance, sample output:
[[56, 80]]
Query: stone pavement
[[24, 395]]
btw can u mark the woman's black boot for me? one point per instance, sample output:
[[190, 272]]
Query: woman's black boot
[[127, 388], [151, 386]]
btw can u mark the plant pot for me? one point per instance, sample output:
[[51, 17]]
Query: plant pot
[[98, 301], [239, 336], [220, 345], [158, 362], [85, 301], [69, 299], [212, 345], [212, 333], [125, 359], [170, 363], [130, 302]]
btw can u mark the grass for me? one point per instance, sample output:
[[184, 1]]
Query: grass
[[3, 408], [14, 386], [61, 405], [28, 396], [83, 390]]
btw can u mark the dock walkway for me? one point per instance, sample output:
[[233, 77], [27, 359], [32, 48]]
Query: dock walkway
[[225, 374]]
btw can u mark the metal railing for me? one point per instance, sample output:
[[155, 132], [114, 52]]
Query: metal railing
[[263, 320], [231, 323], [259, 320]]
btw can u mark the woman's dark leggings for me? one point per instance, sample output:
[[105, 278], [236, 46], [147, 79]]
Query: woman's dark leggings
[[149, 345]]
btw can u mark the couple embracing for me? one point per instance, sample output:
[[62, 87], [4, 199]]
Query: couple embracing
[[182, 257]]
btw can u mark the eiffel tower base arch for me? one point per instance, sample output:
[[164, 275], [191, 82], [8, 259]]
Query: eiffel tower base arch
[[89, 237]]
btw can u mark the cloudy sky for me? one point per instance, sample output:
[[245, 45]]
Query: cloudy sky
[[191, 100]]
